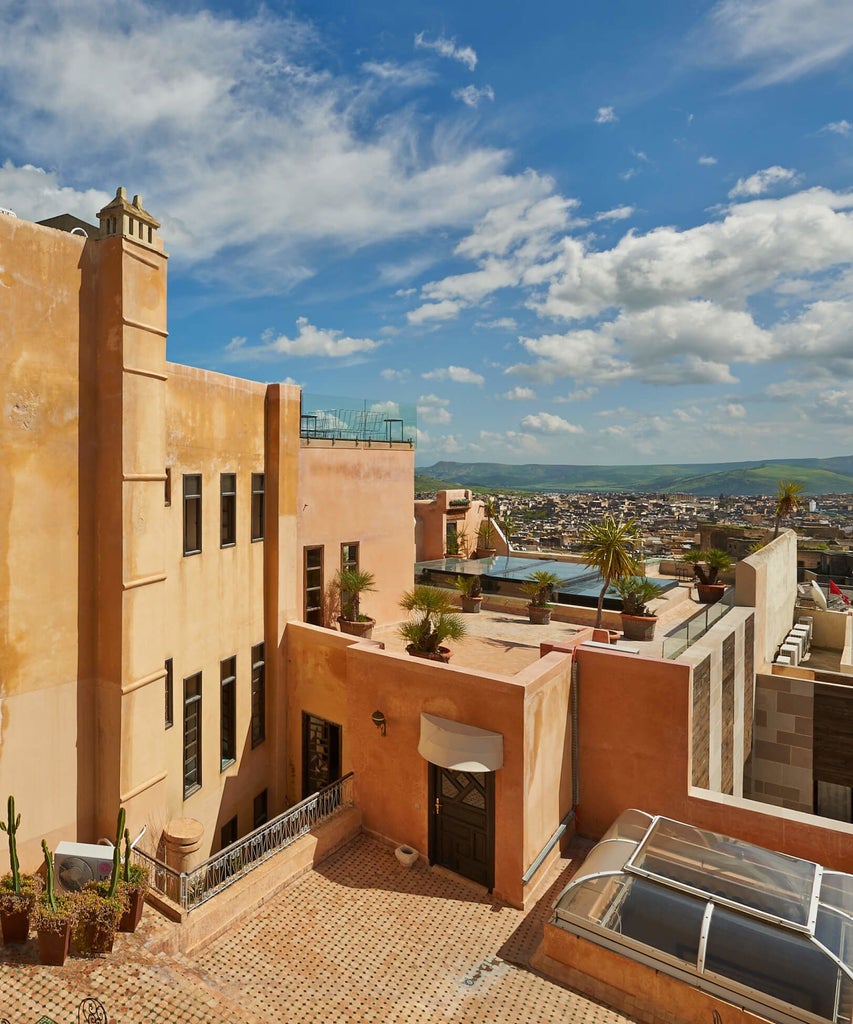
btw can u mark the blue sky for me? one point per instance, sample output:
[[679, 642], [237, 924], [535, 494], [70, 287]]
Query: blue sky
[[607, 232]]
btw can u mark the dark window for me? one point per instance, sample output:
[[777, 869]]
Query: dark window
[[170, 713], [228, 833], [228, 712], [259, 696], [192, 514], [258, 496], [349, 556], [192, 734], [313, 597], [167, 487], [260, 809], [227, 509]]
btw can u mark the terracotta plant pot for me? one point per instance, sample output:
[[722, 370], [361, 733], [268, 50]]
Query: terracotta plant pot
[[357, 627], [710, 593], [471, 604], [15, 924], [638, 627], [54, 945], [539, 616], [485, 552], [133, 915], [442, 654]]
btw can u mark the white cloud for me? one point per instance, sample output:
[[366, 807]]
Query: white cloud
[[777, 40], [842, 127], [707, 161], [458, 374], [605, 115], [470, 95], [578, 395], [395, 375], [547, 423], [632, 172], [733, 410], [519, 394], [762, 181], [405, 75], [309, 342], [617, 213], [503, 323], [445, 310], [30, 191], [447, 48], [432, 409]]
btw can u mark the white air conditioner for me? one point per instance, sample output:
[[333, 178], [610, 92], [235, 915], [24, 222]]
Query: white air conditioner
[[75, 864]]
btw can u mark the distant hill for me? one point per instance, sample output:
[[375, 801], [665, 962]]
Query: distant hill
[[817, 476]]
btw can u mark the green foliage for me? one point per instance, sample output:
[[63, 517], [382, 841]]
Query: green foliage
[[486, 534], [469, 586], [49, 890], [636, 592], [707, 565], [610, 551], [351, 584], [434, 619], [787, 501], [539, 587], [96, 917], [10, 827], [122, 814]]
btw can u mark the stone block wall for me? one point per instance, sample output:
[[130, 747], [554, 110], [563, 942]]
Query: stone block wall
[[782, 756]]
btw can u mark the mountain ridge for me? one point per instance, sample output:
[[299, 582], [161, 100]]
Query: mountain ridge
[[750, 478]]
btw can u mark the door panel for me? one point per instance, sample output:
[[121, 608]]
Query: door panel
[[321, 753], [462, 816]]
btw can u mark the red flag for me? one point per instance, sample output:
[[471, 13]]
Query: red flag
[[835, 589]]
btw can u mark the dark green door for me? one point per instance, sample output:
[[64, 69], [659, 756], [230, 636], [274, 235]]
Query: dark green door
[[462, 816]]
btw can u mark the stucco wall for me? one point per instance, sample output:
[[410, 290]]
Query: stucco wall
[[767, 582]]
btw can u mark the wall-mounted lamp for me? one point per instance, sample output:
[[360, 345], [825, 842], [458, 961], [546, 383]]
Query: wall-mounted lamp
[[378, 720]]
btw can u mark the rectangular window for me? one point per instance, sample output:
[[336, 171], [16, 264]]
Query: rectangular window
[[167, 487], [313, 596], [192, 734], [260, 809], [228, 712], [259, 696], [258, 499], [170, 713], [349, 556], [227, 509], [228, 833], [192, 514]]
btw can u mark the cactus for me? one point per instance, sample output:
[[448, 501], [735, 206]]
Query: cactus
[[126, 872], [10, 827], [48, 860], [117, 853]]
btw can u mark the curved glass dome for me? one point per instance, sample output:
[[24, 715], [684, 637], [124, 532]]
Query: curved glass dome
[[773, 932]]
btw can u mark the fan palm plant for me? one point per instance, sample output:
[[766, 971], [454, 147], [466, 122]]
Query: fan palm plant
[[787, 501], [434, 620], [610, 551]]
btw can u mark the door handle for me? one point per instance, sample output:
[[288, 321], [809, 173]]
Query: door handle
[[437, 806]]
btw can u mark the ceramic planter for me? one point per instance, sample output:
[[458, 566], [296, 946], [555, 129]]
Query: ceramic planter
[[710, 593], [133, 915], [16, 923], [539, 616], [54, 945], [471, 604], [442, 654], [638, 627], [357, 627]]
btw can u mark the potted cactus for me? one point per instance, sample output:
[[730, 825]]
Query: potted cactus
[[435, 620], [539, 587], [471, 590], [100, 907], [133, 884], [638, 620], [17, 892], [53, 918], [707, 566]]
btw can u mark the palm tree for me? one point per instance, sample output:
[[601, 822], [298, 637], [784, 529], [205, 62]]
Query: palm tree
[[435, 620], [787, 501], [610, 550]]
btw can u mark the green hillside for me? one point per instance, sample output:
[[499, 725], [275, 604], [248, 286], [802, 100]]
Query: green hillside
[[817, 476]]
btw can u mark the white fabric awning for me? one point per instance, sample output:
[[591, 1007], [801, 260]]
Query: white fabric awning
[[456, 745]]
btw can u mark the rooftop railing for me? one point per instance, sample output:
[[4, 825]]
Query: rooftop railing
[[359, 421], [678, 642], [190, 889]]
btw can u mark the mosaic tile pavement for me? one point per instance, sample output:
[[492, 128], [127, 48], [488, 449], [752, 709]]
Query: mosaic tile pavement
[[359, 939]]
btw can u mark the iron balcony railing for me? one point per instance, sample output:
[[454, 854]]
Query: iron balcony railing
[[190, 889], [341, 419], [678, 642]]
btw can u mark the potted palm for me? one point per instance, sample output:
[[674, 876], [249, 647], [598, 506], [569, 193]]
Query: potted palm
[[610, 551], [471, 590], [350, 584], [486, 531], [434, 620], [638, 620], [17, 892], [539, 586], [53, 917], [707, 566]]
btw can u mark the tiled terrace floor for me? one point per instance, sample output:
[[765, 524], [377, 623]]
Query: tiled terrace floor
[[360, 939]]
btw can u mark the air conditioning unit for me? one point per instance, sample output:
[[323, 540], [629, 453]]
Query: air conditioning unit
[[76, 864]]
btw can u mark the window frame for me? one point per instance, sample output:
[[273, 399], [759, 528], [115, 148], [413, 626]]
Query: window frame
[[259, 694], [352, 561], [169, 693], [227, 712], [259, 501], [313, 612], [192, 707], [192, 501], [227, 510]]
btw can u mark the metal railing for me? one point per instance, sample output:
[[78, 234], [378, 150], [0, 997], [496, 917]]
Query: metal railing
[[678, 642], [190, 889], [341, 419]]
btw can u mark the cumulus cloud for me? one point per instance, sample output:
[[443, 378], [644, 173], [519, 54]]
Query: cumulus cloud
[[578, 395], [519, 394], [617, 213], [707, 161], [605, 115], [310, 341], [842, 127], [444, 310], [447, 48], [29, 191], [762, 181], [733, 410], [547, 423], [457, 374], [471, 96], [432, 409], [776, 40], [395, 375]]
